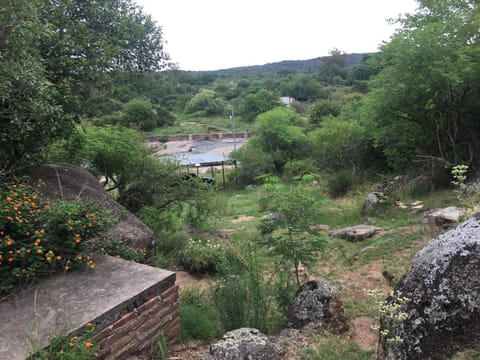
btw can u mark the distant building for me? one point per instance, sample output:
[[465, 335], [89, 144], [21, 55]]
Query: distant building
[[287, 100]]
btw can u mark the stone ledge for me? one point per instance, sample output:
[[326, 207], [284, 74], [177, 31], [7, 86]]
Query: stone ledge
[[65, 303]]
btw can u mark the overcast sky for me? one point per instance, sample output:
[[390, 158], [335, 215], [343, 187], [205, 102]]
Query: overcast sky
[[219, 34]]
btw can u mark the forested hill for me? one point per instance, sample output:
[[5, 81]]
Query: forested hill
[[272, 69]]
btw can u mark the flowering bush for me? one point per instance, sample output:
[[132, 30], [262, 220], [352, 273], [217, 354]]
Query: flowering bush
[[70, 347], [37, 237], [201, 256]]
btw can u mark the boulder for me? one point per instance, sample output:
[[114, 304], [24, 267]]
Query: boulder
[[243, 344], [441, 315], [356, 233], [67, 182], [373, 200], [270, 221], [443, 217], [317, 304]]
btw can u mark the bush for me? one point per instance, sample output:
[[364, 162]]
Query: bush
[[197, 316], [201, 256], [38, 237], [242, 298], [339, 184]]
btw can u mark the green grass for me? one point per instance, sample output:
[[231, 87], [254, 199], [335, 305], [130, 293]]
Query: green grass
[[332, 347]]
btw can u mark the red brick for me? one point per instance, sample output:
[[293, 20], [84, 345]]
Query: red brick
[[152, 302], [125, 318], [169, 291], [113, 338], [102, 334], [121, 343]]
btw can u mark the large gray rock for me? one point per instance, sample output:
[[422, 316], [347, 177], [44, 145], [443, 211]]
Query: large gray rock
[[373, 200], [443, 217], [67, 182], [443, 292], [243, 344], [317, 303], [356, 233]]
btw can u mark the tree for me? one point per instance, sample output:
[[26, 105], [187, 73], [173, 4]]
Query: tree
[[333, 66], [280, 132], [205, 100], [323, 109], [56, 54], [254, 104], [29, 117], [140, 113], [304, 87], [291, 235], [424, 102], [89, 41]]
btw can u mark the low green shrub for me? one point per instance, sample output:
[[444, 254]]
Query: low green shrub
[[339, 184], [197, 316], [201, 256], [70, 348]]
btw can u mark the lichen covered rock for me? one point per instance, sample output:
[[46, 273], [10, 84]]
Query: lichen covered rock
[[243, 344], [317, 303], [443, 292]]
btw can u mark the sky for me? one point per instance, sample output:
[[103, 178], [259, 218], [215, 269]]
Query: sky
[[220, 34]]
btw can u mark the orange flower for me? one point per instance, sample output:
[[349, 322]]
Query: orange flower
[[89, 324], [88, 344], [39, 251], [59, 258], [77, 241]]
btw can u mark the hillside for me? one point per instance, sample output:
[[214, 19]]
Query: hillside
[[272, 69]]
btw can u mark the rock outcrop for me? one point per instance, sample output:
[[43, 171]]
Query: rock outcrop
[[243, 344], [317, 303], [356, 233], [67, 182], [443, 217], [442, 287]]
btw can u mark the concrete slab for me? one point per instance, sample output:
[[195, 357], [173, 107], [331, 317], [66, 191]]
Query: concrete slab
[[65, 303]]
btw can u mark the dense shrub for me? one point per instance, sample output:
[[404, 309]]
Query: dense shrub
[[197, 317], [201, 256], [339, 184], [37, 237]]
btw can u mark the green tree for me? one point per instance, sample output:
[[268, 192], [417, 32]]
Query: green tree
[[333, 66], [280, 134], [323, 109], [254, 104], [29, 117], [290, 235], [424, 102], [205, 100], [139, 113], [304, 87]]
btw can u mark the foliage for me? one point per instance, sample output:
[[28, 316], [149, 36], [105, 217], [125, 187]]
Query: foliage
[[323, 109], [29, 117], [205, 100], [424, 100], [70, 348], [197, 316], [38, 237], [391, 312], [303, 87], [111, 152], [254, 104], [340, 144], [160, 351], [291, 235], [333, 347], [242, 298], [54, 56], [201, 256], [253, 162], [140, 114], [280, 134], [339, 184]]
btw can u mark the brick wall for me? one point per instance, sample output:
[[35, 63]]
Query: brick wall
[[135, 332]]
